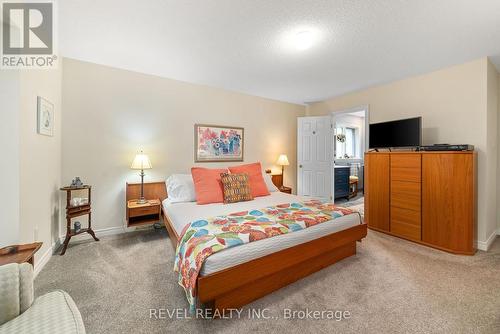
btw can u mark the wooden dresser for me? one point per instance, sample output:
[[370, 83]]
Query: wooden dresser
[[426, 197]]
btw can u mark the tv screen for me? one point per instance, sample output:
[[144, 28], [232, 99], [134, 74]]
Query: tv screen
[[400, 133]]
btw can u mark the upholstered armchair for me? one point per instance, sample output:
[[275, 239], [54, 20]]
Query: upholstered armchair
[[54, 312]]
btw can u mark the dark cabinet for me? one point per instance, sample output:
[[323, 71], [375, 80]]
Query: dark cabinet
[[342, 181]]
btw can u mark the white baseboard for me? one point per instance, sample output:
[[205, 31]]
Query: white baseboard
[[42, 261], [485, 245]]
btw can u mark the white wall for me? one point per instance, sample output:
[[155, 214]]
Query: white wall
[[454, 109], [30, 175], [40, 161], [109, 114], [9, 170]]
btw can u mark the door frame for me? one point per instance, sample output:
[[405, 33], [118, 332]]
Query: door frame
[[366, 109]]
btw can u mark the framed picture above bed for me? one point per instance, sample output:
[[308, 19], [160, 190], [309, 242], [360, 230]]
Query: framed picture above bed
[[218, 143]]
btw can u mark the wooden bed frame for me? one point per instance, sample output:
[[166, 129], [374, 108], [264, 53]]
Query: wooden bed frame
[[234, 287], [239, 285]]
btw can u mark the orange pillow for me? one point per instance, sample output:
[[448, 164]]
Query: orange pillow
[[208, 185], [256, 180]]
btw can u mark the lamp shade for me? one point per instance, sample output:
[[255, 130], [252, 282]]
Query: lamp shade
[[283, 160], [141, 161]]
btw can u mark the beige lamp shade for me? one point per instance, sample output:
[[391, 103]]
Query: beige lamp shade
[[283, 160], [141, 161]]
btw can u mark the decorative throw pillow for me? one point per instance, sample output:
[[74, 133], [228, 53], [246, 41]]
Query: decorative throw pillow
[[236, 187], [257, 183], [208, 185]]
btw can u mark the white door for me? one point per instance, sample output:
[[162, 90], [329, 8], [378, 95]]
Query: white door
[[315, 156]]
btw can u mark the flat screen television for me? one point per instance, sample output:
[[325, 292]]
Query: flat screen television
[[400, 133]]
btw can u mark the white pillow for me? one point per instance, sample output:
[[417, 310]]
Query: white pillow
[[180, 188], [269, 183]]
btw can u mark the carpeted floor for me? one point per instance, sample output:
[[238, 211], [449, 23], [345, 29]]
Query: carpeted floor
[[390, 286]]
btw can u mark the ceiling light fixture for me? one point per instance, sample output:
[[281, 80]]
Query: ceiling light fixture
[[304, 40]]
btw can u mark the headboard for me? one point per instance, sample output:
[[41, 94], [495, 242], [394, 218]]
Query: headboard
[[151, 190]]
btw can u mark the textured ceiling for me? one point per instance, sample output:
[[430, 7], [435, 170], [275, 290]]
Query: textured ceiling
[[244, 45]]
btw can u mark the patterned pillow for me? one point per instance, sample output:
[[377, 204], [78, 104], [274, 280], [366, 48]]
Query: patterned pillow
[[236, 187]]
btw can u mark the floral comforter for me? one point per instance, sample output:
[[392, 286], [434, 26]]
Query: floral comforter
[[202, 238]]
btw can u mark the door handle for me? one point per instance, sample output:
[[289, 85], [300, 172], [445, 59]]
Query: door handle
[[300, 166]]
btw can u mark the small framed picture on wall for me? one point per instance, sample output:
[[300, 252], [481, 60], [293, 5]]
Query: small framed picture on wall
[[45, 117], [217, 143]]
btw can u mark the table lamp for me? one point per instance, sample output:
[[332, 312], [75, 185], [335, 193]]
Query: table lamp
[[282, 161], [141, 162]]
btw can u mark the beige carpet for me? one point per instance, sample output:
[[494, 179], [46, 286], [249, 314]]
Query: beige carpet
[[390, 286]]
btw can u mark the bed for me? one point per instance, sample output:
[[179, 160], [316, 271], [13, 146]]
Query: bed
[[275, 262]]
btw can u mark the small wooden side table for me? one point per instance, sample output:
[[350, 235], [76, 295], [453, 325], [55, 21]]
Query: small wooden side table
[[19, 253], [77, 211]]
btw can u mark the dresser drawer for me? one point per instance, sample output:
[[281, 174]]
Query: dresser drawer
[[406, 160], [406, 188], [341, 191], [341, 179], [342, 171], [405, 216], [406, 174], [144, 211], [406, 223], [406, 195], [406, 230], [406, 202]]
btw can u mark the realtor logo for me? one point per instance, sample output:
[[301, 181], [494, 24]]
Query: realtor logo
[[28, 35]]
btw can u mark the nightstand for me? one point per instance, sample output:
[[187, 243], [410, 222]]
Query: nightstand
[[284, 189], [278, 182], [143, 214]]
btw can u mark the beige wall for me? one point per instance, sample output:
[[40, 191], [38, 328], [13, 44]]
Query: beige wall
[[40, 161], [109, 114], [9, 172], [492, 148], [498, 153], [31, 179], [453, 105]]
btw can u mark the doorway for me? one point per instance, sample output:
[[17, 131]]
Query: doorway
[[330, 155], [350, 141]]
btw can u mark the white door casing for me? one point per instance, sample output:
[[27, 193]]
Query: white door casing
[[315, 156]]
